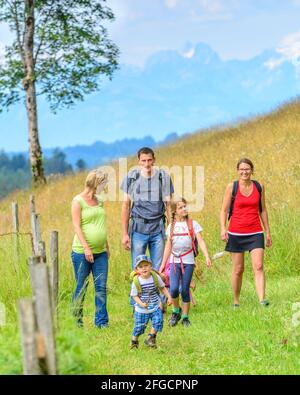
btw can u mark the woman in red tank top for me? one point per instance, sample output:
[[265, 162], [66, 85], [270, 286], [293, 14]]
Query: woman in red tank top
[[245, 231]]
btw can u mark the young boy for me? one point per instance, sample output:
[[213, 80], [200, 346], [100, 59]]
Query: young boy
[[145, 291]]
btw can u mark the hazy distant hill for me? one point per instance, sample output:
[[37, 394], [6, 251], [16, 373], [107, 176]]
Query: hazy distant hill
[[100, 152]]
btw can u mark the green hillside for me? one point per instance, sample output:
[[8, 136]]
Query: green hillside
[[220, 340]]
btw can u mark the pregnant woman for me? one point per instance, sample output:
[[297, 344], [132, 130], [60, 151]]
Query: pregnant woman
[[90, 251]]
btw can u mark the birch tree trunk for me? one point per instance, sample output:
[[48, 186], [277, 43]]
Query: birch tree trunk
[[35, 151]]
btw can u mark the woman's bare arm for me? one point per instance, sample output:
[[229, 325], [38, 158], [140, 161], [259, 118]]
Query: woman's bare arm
[[76, 219]]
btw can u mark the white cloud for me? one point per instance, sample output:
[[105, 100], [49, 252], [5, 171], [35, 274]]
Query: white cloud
[[211, 6], [274, 63], [289, 47], [289, 51], [189, 54], [171, 3]]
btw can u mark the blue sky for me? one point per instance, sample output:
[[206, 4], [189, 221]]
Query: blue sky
[[235, 29]]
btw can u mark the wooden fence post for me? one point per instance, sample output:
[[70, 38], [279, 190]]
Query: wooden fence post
[[54, 270], [32, 204], [28, 337], [42, 298], [36, 232], [15, 229], [42, 251]]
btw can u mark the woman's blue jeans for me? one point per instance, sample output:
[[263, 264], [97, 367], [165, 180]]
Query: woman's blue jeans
[[82, 269]]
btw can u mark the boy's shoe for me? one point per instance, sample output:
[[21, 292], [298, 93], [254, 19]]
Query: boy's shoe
[[102, 326], [186, 322], [264, 303], [175, 318], [134, 344], [235, 306], [150, 341]]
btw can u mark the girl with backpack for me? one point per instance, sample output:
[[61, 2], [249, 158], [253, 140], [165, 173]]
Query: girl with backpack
[[184, 236], [244, 200]]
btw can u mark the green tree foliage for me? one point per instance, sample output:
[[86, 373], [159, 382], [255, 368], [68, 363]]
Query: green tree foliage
[[57, 163], [81, 165], [61, 50]]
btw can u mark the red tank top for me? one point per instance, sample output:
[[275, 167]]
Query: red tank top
[[245, 215]]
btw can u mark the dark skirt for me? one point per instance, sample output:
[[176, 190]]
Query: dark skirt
[[245, 243]]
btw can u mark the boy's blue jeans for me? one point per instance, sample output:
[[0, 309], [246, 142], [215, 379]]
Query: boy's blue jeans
[[82, 269]]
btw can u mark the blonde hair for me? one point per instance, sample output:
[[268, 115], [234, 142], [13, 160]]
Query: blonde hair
[[95, 178], [174, 203]]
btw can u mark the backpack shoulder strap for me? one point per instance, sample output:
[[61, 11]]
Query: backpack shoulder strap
[[192, 234], [160, 178], [135, 279], [233, 195], [191, 228], [134, 175], [259, 188], [155, 279]]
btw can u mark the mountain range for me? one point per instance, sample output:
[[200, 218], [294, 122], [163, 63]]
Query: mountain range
[[174, 92]]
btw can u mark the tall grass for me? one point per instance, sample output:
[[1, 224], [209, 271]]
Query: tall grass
[[220, 340]]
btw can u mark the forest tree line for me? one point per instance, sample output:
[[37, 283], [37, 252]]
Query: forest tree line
[[15, 169]]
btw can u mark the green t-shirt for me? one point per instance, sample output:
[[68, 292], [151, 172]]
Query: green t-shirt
[[93, 226]]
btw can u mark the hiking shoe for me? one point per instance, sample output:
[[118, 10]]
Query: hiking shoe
[[102, 326], [235, 306], [186, 322], [264, 303], [175, 318], [134, 344], [150, 341]]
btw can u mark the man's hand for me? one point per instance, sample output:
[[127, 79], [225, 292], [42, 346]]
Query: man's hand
[[126, 242]]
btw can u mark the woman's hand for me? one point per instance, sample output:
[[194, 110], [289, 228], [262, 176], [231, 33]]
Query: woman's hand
[[107, 250], [208, 262], [268, 240], [161, 268], [88, 254], [169, 302], [224, 235]]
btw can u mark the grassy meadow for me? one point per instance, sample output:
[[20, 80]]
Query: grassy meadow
[[251, 340]]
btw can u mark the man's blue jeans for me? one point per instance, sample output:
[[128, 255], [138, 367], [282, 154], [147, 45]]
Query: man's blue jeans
[[82, 269], [156, 245]]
